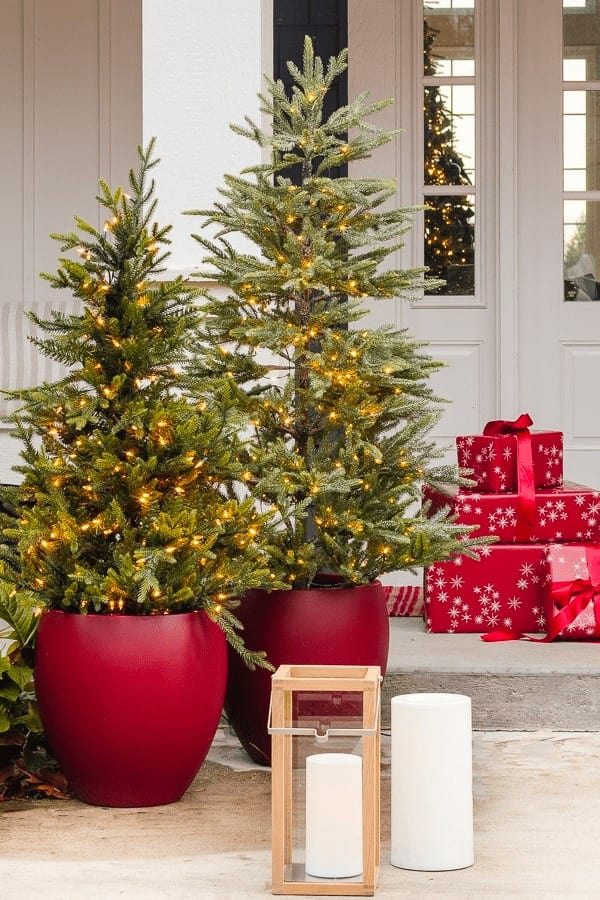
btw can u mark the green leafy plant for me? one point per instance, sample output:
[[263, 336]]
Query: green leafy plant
[[26, 768], [340, 413]]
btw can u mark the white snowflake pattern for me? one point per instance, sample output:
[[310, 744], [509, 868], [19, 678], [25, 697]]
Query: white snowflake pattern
[[580, 567], [507, 453], [489, 452], [464, 602]]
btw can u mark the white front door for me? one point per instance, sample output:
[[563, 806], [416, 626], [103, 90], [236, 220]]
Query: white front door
[[512, 342], [558, 156]]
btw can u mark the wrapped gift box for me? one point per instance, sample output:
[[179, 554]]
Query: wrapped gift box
[[492, 459], [571, 585], [570, 512], [501, 589]]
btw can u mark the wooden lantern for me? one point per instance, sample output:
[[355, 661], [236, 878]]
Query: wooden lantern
[[326, 745]]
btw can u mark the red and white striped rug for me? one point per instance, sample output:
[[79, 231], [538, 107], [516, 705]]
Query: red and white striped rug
[[404, 601]]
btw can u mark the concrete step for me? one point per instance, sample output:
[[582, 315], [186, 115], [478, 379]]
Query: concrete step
[[514, 686]]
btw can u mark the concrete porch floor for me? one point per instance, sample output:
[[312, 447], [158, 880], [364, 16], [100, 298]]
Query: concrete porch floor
[[536, 797]]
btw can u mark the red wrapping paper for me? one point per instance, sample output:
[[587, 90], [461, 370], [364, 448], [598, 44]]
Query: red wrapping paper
[[570, 512], [493, 459], [502, 589], [571, 585]]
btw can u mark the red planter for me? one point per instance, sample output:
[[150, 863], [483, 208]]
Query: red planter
[[322, 626], [130, 704]]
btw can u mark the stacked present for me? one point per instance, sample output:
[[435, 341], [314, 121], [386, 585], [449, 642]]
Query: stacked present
[[540, 576]]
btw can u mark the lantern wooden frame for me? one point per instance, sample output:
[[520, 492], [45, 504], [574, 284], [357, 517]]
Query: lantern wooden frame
[[356, 679]]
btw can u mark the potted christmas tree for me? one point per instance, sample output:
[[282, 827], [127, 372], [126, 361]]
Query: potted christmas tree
[[340, 413], [130, 538]]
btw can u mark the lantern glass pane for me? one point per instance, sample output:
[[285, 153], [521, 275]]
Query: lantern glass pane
[[322, 712]]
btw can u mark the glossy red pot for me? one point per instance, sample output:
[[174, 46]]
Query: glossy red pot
[[130, 704], [321, 626]]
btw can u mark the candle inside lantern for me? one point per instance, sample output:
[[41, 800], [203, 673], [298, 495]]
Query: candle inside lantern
[[334, 839]]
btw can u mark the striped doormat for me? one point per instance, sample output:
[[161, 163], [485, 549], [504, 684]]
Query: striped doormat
[[404, 601]]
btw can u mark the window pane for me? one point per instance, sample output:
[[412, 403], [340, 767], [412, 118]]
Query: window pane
[[449, 138], [574, 102], [581, 231], [449, 35], [581, 41], [574, 180], [581, 140], [450, 243]]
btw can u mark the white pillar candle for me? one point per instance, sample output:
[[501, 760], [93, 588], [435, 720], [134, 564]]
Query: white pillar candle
[[334, 839], [432, 782]]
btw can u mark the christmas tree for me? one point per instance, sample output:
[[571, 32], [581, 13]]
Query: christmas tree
[[339, 413], [449, 226], [127, 502]]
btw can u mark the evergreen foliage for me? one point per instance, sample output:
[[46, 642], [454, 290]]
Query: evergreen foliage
[[339, 413], [127, 503]]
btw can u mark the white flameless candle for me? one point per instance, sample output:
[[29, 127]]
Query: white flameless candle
[[334, 840], [432, 782]]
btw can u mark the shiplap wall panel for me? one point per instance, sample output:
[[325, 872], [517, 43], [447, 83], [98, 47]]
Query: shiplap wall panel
[[71, 101]]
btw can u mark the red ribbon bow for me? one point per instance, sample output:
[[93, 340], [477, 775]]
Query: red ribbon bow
[[573, 597], [526, 517]]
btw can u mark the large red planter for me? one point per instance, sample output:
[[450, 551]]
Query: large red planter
[[130, 704], [321, 626]]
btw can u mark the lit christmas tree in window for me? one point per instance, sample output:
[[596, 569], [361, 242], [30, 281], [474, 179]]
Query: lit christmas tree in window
[[449, 220]]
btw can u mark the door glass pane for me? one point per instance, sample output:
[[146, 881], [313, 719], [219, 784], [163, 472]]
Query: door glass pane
[[449, 32], [581, 41], [449, 124], [450, 243], [581, 140], [581, 233]]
